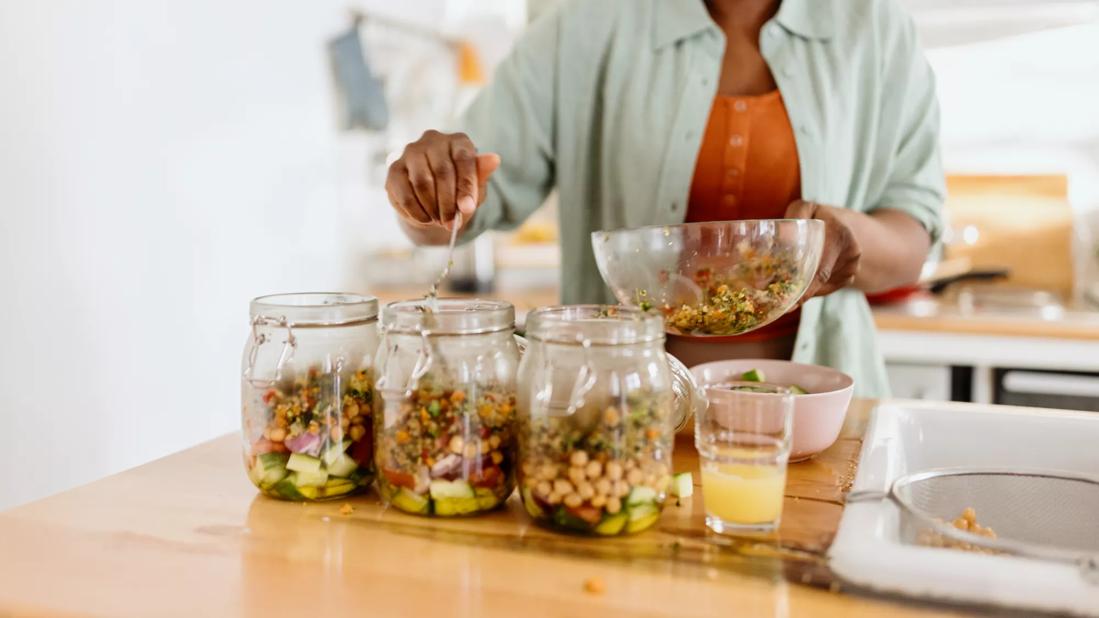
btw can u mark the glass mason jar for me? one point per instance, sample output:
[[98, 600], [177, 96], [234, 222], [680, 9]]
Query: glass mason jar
[[307, 395], [445, 427], [599, 404]]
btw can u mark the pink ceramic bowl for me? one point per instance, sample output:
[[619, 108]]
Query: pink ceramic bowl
[[818, 416]]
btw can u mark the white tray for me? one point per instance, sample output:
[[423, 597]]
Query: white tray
[[905, 437]]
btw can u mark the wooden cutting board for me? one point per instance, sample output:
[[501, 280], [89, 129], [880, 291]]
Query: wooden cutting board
[[1022, 223]]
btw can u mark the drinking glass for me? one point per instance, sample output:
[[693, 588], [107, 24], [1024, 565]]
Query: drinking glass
[[743, 441]]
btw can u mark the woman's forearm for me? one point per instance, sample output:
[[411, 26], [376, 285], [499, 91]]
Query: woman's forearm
[[893, 247]]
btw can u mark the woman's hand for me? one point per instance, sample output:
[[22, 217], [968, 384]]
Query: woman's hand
[[840, 259], [436, 176]]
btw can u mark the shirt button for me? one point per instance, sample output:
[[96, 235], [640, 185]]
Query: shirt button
[[740, 106], [736, 141], [675, 205]]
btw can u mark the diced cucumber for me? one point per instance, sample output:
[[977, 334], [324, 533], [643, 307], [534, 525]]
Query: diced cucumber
[[410, 501], [641, 511], [271, 460], [287, 488], [334, 452], [682, 485], [303, 463], [270, 468], [531, 506], [637, 524], [255, 474], [797, 390], [337, 487], [641, 495], [753, 375], [456, 506], [450, 489], [342, 466], [311, 479], [612, 524], [486, 500]]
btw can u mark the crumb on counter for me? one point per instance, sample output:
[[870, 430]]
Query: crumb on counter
[[346, 509], [595, 585]]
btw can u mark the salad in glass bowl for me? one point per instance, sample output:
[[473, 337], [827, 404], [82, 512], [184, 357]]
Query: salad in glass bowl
[[715, 278]]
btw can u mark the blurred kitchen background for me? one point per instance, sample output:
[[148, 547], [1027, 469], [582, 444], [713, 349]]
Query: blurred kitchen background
[[162, 162]]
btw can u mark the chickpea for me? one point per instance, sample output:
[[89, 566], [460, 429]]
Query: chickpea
[[497, 457], [357, 419], [277, 435], [351, 410], [357, 432], [621, 489], [485, 448], [599, 500], [614, 504], [573, 500], [614, 470], [335, 433], [579, 458], [494, 441], [314, 428], [604, 486], [543, 488], [611, 417], [634, 477], [554, 498], [576, 475], [969, 514], [650, 481], [961, 523], [456, 445], [472, 450], [547, 472], [563, 487], [528, 469], [594, 469], [345, 423], [586, 490], [630, 464]]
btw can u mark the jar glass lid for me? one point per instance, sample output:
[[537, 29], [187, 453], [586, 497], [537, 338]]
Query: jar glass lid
[[594, 324], [316, 308], [452, 316]]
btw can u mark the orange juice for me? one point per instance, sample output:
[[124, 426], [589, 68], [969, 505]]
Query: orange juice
[[744, 494]]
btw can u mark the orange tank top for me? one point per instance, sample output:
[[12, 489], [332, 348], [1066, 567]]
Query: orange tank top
[[747, 168]]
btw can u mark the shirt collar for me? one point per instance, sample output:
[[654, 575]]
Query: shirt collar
[[675, 20]]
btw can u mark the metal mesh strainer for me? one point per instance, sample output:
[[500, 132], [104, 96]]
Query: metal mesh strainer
[[1034, 513]]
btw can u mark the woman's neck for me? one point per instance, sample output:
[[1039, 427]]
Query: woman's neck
[[742, 15]]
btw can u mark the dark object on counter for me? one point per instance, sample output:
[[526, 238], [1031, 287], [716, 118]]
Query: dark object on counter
[[936, 285], [360, 92], [474, 270]]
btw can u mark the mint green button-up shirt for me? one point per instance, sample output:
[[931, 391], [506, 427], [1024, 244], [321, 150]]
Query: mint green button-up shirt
[[607, 101]]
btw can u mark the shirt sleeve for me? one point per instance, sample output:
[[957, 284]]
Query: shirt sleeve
[[915, 185], [514, 117]]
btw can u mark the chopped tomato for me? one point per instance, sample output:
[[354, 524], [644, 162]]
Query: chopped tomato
[[263, 445], [400, 479], [362, 450], [589, 514], [488, 477]]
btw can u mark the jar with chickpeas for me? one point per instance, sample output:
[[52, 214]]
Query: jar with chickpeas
[[599, 404], [307, 395], [445, 429]]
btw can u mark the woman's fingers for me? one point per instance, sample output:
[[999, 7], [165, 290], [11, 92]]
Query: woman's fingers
[[437, 176], [399, 189], [423, 182], [486, 165], [445, 177]]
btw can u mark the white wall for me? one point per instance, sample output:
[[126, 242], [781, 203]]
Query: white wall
[[160, 163]]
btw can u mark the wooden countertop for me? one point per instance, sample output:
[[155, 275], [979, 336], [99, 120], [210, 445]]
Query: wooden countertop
[[188, 535]]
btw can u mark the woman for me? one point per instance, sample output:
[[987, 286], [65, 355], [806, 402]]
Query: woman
[[644, 112]]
